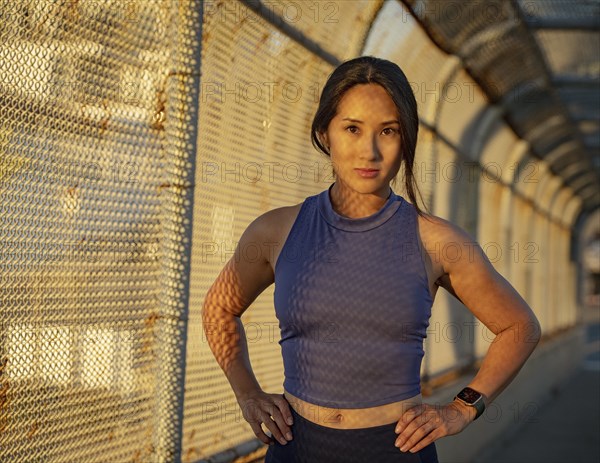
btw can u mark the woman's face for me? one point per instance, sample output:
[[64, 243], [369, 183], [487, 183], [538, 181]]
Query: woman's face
[[364, 134]]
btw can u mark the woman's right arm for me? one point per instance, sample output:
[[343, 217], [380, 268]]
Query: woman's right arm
[[244, 277]]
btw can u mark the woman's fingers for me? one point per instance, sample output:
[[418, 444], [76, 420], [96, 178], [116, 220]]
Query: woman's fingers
[[428, 439], [415, 424], [281, 412], [272, 410], [285, 410], [431, 423], [258, 432], [406, 443], [277, 425]]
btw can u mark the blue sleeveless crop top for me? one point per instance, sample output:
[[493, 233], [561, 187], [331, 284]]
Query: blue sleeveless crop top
[[353, 303]]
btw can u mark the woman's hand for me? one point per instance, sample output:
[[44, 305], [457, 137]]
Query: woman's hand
[[258, 407], [422, 424]]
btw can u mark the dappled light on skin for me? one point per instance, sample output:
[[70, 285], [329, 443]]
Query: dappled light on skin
[[223, 332]]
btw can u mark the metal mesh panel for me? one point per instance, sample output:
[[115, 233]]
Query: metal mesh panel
[[323, 21], [92, 185], [259, 92], [565, 55], [509, 54], [494, 41], [543, 9], [459, 21]]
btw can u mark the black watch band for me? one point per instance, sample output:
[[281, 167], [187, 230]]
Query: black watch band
[[472, 398]]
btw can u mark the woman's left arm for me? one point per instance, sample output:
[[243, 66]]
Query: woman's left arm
[[472, 279]]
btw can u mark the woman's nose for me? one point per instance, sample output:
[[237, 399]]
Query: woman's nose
[[369, 149]]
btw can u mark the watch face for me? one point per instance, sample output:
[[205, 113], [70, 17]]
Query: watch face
[[469, 395]]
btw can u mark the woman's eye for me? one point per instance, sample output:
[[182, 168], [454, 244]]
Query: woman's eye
[[390, 129]]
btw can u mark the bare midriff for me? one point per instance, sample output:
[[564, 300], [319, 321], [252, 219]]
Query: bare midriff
[[352, 418]]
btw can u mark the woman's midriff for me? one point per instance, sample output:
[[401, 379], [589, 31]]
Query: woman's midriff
[[352, 418]]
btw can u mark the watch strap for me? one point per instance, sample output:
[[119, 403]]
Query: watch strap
[[480, 407]]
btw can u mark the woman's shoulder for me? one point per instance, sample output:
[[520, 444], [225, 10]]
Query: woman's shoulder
[[440, 229], [444, 244], [276, 221], [281, 213], [447, 243]]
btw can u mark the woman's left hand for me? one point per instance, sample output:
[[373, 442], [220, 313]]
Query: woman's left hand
[[422, 424]]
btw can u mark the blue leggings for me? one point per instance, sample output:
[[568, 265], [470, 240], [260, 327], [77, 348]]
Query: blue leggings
[[313, 443]]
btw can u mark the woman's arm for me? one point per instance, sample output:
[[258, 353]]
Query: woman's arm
[[489, 296], [472, 279], [236, 287], [241, 281]]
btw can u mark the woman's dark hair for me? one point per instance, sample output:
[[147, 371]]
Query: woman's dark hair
[[372, 70]]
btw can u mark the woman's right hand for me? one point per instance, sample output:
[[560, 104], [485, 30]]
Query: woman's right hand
[[258, 407]]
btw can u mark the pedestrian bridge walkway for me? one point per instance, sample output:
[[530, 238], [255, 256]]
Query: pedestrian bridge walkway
[[565, 428], [139, 138]]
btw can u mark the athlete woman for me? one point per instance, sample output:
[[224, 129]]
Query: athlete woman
[[355, 397]]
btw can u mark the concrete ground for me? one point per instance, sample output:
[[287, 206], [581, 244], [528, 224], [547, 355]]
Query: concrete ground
[[568, 428]]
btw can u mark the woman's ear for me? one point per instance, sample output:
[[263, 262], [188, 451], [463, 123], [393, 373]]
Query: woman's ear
[[324, 139]]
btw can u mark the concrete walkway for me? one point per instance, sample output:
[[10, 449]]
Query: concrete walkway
[[565, 430]]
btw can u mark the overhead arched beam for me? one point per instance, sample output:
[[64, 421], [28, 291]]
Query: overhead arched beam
[[563, 23]]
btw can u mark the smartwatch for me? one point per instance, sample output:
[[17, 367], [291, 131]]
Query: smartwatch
[[472, 398]]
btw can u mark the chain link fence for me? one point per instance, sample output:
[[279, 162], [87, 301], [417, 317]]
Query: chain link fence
[[97, 138]]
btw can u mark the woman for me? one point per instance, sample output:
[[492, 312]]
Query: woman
[[356, 268]]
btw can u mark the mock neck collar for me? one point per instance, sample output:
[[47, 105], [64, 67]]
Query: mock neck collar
[[393, 202]]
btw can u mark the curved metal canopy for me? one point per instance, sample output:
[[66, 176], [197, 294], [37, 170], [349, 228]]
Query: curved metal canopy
[[539, 61]]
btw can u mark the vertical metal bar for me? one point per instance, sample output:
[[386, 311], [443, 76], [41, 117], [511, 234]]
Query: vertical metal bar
[[180, 94]]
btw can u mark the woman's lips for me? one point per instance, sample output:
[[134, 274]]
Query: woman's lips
[[367, 173]]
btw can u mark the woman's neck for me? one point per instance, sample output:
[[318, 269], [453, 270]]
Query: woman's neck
[[355, 205]]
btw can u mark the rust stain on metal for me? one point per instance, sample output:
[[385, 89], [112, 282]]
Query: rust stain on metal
[[180, 186], [4, 387], [141, 456], [205, 37], [72, 13], [32, 430], [72, 191], [106, 119], [191, 453], [151, 320], [3, 394], [136, 457], [150, 449], [161, 106], [149, 325], [262, 41]]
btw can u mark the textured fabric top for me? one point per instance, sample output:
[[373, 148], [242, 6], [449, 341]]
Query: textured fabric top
[[353, 304]]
